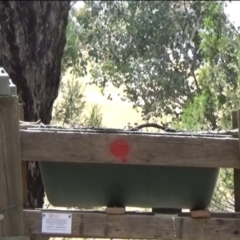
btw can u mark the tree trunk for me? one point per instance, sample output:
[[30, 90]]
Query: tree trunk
[[32, 40]]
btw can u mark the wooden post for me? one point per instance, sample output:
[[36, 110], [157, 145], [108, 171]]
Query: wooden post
[[24, 165], [10, 169], [236, 124], [21, 112]]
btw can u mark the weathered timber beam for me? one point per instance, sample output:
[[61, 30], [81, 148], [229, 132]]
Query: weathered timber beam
[[216, 214], [236, 172], [127, 226], [221, 133], [129, 149], [10, 168]]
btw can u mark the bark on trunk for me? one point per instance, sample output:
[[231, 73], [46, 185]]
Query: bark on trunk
[[32, 40]]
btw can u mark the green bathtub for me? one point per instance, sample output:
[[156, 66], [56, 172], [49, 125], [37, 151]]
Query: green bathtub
[[165, 189]]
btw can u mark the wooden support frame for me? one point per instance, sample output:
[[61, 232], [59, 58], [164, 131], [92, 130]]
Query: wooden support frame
[[24, 164], [10, 169], [144, 149], [115, 210], [139, 226], [237, 171]]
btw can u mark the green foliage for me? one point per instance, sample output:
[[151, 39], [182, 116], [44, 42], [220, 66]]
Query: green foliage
[[95, 117], [73, 55], [218, 77], [69, 108], [169, 56], [223, 198], [200, 114], [141, 45]]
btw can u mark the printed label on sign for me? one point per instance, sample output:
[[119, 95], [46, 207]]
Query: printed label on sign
[[57, 223]]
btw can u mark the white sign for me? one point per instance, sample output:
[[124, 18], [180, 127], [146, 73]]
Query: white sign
[[56, 223]]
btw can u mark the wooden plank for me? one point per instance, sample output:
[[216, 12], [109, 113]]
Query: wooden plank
[[209, 133], [215, 214], [115, 210], [24, 164], [10, 168], [97, 225], [236, 123], [200, 214], [15, 238], [139, 149], [21, 112]]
